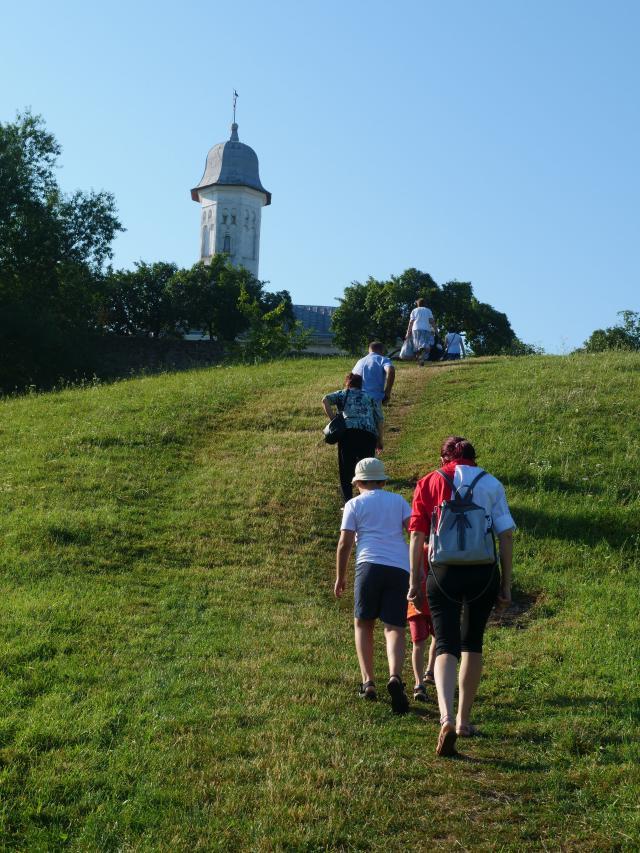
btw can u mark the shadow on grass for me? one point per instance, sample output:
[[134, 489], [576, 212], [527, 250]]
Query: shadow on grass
[[501, 763], [582, 528], [551, 483], [405, 482], [518, 614], [630, 707], [596, 485]]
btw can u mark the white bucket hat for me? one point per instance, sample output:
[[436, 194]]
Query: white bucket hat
[[369, 469]]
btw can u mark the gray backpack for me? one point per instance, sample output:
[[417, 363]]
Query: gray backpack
[[462, 534]]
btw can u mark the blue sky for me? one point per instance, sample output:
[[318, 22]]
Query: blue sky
[[495, 142]]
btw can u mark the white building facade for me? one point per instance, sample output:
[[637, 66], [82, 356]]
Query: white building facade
[[232, 197]]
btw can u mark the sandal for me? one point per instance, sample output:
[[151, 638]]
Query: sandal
[[468, 730], [446, 745], [399, 701], [368, 691], [420, 693], [429, 677]]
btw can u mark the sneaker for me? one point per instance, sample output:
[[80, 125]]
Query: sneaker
[[399, 701]]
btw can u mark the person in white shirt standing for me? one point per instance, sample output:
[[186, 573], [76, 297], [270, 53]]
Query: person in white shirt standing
[[453, 346], [422, 329], [375, 521]]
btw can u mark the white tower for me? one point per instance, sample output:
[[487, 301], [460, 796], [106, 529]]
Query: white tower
[[232, 199]]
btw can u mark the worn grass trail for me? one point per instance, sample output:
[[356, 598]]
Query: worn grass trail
[[175, 674]]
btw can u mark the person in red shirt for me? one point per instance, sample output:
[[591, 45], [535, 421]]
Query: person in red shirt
[[460, 597]]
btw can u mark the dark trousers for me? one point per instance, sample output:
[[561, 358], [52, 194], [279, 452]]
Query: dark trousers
[[461, 591], [354, 445]]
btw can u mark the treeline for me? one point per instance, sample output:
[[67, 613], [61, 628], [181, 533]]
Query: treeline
[[625, 335], [59, 299], [379, 310], [215, 299]]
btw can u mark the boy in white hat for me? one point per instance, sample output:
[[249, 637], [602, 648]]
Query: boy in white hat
[[375, 521]]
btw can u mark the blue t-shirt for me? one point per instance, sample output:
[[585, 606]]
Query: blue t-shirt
[[372, 368]]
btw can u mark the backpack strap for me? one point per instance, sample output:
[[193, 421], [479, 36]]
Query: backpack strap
[[344, 402], [448, 480], [468, 498], [475, 480], [469, 494]]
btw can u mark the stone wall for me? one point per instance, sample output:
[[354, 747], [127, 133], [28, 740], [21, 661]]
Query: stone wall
[[126, 356]]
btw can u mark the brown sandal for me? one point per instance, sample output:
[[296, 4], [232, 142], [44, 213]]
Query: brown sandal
[[447, 738], [368, 691]]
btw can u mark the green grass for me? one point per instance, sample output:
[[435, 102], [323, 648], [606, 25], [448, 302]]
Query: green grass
[[176, 675]]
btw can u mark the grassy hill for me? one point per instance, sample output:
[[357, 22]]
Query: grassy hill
[[176, 675]]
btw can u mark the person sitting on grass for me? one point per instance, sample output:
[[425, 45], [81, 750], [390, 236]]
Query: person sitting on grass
[[375, 521]]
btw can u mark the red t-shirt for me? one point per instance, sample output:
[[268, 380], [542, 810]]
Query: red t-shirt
[[429, 493]]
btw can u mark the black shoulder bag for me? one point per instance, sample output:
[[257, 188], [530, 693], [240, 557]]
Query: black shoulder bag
[[337, 425]]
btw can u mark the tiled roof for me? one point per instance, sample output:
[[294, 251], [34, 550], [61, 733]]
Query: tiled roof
[[315, 318]]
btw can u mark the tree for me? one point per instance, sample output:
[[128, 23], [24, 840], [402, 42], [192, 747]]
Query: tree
[[271, 333], [519, 348], [270, 301], [455, 308], [206, 297], [380, 310], [351, 324], [138, 302], [623, 336], [487, 331], [52, 251], [223, 301]]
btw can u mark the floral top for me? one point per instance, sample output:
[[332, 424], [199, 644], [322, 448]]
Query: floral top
[[360, 411]]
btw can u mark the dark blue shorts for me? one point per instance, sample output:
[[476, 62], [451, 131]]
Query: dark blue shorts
[[381, 593]]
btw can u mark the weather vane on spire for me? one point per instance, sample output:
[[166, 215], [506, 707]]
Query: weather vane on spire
[[235, 98]]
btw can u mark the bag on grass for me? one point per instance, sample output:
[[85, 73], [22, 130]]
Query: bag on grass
[[337, 425], [407, 351], [462, 533]]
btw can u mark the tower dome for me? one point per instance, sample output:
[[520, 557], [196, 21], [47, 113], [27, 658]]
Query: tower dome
[[231, 197], [231, 163]]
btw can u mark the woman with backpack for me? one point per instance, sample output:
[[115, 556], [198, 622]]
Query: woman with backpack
[[462, 592]]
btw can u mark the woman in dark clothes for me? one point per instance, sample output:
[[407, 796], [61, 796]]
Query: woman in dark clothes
[[363, 435]]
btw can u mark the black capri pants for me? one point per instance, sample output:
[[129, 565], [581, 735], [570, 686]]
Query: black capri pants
[[353, 445], [460, 600]]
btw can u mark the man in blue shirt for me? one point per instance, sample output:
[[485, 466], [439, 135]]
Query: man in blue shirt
[[378, 373]]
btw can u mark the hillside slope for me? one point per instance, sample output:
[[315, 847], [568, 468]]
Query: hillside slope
[[174, 671]]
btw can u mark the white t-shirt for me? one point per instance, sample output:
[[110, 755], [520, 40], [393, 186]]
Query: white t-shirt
[[378, 517], [421, 317], [453, 342], [488, 493]]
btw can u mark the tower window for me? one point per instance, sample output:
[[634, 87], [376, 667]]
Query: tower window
[[227, 244]]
